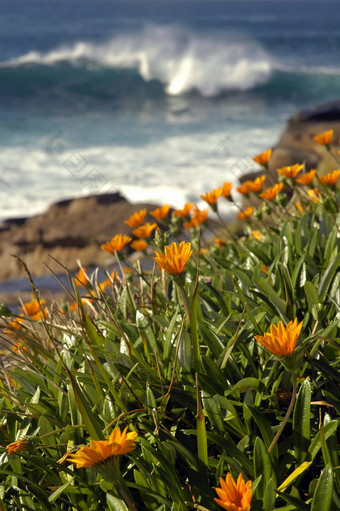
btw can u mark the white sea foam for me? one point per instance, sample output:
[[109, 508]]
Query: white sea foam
[[178, 58], [174, 170]]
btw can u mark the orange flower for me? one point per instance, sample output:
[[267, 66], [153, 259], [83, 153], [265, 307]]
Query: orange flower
[[199, 216], [136, 219], [212, 197], [324, 138], [81, 277], [220, 243], [257, 235], [299, 206], [272, 192], [19, 347], [263, 158], [175, 258], [330, 179], [307, 178], [281, 340], [244, 188], [246, 213], [264, 268], [183, 213], [33, 309], [139, 245], [108, 282], [226, 189], [117, 243], [18, 446], [144, 231], [161, 212], [291, 171], [16, 324], [100, 450], [234, 496], [254, 186], [314, 195]]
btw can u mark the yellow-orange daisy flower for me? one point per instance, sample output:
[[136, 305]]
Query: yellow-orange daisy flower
[[160, 212], [257, 235], [19, 347], [34, 309], [226, 189], [199, 216], [18, 446], [264, 268], [299, 207], [244, 188], [330, 179], [144, 231], [183, 213], [212, 197], [281, 340], [314, 195], [175, 258], [108, 282], [324, 138], [246, 213], [139, 245], [81, 277], [234, 496], [16, 324], [254, 186], [100, 450], [291, 171], [272, 192], [220, 243], [263, 158], [116, 244], [136, 219], [307, 178]]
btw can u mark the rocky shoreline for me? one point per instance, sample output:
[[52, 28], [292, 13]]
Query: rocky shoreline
[[74, 229], [68, 231]]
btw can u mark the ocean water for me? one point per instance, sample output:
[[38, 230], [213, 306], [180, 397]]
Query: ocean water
[[161, 100]]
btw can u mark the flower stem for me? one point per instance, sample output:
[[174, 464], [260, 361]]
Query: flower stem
[[286, 417], [125, 494]]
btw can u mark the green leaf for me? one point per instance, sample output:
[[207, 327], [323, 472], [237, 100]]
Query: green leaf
[[301, 422], [262, 466], [298, 471], [266, 430], [327, 278], [322, 498], [269, 494], [116, 504], [91, 421], [147, 333], [95, 338], [53, 497], [277, 302], [312, 298], [328, 430]]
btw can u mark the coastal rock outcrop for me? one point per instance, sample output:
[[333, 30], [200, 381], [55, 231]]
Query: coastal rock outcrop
[[69, 230], [296, 144]]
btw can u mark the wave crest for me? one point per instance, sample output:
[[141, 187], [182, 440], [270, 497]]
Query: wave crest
[[181, 60]]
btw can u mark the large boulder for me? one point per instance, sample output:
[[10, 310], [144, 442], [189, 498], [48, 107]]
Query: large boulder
[[67, 231], [297, 143]]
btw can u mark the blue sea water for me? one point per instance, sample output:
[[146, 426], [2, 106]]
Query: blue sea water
[[162, 100]]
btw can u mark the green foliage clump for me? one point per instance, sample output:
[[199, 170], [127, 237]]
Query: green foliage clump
[[174, 358]]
